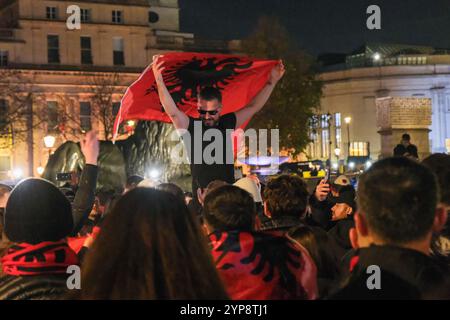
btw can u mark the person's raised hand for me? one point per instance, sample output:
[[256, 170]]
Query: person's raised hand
[[157, 67], [322, 190], [90, 147], [277, 72]]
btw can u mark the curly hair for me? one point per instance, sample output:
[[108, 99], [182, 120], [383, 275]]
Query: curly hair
[[286, 195]]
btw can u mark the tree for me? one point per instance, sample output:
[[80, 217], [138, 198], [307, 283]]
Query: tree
[[100, 91], [20, 108], [102, 88], [296, 96]]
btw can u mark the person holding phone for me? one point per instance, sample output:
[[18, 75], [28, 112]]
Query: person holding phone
[[322, 201]]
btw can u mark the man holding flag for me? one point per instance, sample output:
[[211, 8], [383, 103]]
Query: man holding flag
[[209, 107]]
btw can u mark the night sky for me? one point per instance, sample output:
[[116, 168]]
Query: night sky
[[323, 26]]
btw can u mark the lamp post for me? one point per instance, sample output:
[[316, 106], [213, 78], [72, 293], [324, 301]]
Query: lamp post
[[347, 121], [49, 142], [337, 152]]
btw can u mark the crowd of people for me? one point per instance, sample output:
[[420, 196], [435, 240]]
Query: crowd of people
[[244, 241]]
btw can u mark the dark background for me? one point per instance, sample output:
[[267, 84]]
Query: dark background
[[322, 26]]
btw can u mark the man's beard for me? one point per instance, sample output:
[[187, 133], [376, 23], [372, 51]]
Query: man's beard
[[210, 122]]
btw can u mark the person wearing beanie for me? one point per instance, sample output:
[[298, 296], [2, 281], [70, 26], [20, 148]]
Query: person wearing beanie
[[37, 220]]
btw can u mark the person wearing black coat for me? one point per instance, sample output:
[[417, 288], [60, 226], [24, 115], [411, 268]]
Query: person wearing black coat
[[37, 220], [396, 219]]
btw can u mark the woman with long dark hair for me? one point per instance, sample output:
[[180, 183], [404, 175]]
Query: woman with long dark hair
[[150, 247]]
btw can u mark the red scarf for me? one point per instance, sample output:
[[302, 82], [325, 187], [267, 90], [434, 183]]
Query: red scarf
[[43, 258]]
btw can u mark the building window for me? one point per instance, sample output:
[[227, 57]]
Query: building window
[[337, 126], [51, 13], [86, 52], [85, 116], [115, 108], [118, 56], [3, 58], [313, 152], [5, 163], [3, 116], [117, 16], [324, 121], [52, 113], [53, 49], [359, 149], [325, 143], [85, 15]]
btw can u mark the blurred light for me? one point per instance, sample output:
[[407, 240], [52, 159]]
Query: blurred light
[[335, 166], [131, 123], [40, 170], [376, 56], [348, 120], [368, 164], [17, 173], [49, 141], [351, 165], [337, 152], [154, 173]]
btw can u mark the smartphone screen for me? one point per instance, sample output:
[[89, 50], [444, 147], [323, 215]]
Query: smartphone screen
[[64, 176]]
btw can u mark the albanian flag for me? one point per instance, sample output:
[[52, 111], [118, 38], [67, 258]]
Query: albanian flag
[[238, 78]]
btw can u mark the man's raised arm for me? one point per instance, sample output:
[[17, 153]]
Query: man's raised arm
[[179, 119], [261, 98]]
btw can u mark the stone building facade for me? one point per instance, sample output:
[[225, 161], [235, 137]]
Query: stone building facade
[[63, 70]]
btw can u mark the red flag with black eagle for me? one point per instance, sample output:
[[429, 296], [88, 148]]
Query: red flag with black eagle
[[239, 79]]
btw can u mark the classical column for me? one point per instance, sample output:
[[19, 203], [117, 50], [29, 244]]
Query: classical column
[[438, 120]]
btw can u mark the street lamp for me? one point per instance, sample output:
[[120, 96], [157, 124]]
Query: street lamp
[[337, 152], [49, 142], [40, 170], [347, 120], [376, 57]]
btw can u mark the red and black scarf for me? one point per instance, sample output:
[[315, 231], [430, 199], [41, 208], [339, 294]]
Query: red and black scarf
[[33, 259]]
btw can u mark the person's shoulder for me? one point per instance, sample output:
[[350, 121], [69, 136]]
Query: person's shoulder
[[393, 287]]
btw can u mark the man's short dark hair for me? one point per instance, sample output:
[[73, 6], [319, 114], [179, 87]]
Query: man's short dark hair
[[406, 137], [229, 208], [439, 164], [210, 93], [286, 195], [398, 197]]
